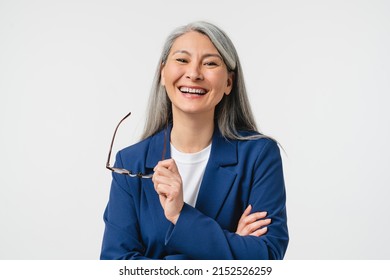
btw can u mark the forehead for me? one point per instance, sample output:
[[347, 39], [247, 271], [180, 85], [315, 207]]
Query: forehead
[[193, 42]]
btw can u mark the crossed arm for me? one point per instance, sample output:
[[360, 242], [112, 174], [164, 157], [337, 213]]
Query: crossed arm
[[191, 232], [168, 185]]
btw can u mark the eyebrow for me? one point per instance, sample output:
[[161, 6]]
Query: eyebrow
[[204, 56]]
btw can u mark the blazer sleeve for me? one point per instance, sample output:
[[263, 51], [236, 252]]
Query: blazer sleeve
[[201, 237], [121, 238]]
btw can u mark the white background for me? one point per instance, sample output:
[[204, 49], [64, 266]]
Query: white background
[[318, 74]]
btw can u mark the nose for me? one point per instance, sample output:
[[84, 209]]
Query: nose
[[194, 72]]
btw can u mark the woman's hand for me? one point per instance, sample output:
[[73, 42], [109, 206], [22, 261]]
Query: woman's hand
[[168, 184], [252, 224]]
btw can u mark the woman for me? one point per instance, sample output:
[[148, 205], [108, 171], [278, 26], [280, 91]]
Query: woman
[[217, 189]]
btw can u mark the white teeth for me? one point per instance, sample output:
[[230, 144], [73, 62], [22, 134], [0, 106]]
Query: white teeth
[[192, 90]]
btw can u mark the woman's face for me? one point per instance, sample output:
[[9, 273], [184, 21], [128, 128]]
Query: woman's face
[[195, 75]]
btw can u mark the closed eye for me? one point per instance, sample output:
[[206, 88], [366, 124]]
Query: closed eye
[[181, 60], [212, 63]]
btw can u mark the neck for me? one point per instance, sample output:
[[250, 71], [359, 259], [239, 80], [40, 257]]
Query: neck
[[192, 134]]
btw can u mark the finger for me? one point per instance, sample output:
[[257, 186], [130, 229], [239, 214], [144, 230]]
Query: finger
[[173, 166], [170, 185], [162, 189], [259, 232], [253, 227], [254, 217], [168, 191], [168, 164], [257, 225], [174, 181], [246, 212], [164, 171], [160, 172], [241, 223]]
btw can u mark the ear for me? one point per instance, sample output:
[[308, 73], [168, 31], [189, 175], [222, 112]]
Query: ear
[[229, 83], [162, 76]]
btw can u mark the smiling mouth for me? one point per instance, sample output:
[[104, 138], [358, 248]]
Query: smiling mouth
[[198, 91]]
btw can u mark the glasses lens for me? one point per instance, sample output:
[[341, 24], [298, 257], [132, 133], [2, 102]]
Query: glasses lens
[[127, 172], [120, 170]]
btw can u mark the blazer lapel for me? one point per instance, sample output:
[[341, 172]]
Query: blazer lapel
[[159, 147], [217, 180], [153, 156]]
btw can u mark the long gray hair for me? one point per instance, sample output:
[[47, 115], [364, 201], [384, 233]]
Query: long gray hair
[[232, 114]]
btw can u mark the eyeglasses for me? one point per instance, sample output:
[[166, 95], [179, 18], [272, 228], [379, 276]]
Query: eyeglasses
[[122, 170]]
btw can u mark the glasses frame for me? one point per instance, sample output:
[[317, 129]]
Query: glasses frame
[[122, 170]]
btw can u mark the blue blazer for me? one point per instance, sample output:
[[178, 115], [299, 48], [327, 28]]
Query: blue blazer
[[237, 174]]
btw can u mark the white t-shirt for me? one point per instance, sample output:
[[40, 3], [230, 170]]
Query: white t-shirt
[[191, 168]]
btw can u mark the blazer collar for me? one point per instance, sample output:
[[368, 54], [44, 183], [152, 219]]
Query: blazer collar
[[156, 147], [217, 180], [223, 151]]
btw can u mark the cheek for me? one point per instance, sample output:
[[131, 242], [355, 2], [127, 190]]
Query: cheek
[[219, 79], [170, 75], [220, 84]]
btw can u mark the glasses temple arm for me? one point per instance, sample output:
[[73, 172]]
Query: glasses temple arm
[[113, 138]]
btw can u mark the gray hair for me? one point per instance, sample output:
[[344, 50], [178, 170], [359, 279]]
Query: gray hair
[[232, 115]]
